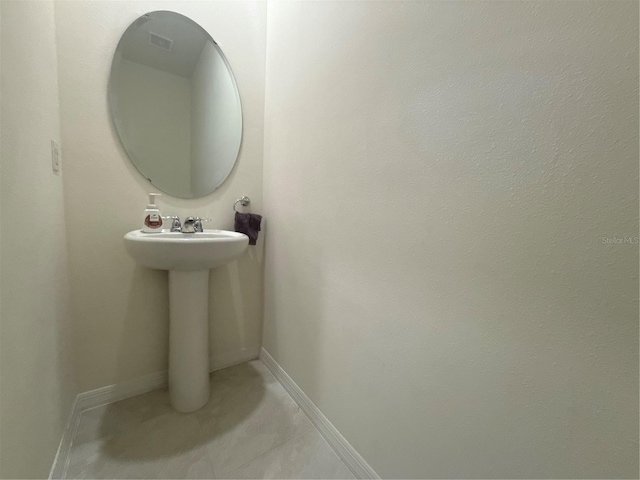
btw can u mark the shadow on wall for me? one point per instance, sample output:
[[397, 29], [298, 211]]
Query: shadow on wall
[[308, 308], [235, 306], [144, 339]]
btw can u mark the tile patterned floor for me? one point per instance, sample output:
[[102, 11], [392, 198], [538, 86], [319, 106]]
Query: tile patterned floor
[[250, 428]]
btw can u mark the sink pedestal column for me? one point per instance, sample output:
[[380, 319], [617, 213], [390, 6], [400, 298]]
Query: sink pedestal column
[[188, 339]]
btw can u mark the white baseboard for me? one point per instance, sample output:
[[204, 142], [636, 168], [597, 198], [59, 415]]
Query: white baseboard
[[61, 460], [352, 459], [224, 360], [120, 391], [131, 388]]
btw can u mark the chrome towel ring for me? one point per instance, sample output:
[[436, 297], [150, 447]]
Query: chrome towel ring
[[244, 201]]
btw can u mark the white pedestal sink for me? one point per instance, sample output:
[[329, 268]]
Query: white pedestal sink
[[188, 258]]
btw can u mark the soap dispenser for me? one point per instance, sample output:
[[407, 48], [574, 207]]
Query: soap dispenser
[[152, 218]]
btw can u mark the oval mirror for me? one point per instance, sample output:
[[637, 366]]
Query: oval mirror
[[175, 104]]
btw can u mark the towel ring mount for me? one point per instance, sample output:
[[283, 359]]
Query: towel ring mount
[[244, 201]]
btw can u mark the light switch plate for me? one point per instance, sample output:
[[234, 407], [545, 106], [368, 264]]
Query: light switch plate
[[55, 156]]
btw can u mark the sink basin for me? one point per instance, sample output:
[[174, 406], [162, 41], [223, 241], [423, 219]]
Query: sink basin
[[188, 258], [185, 251]]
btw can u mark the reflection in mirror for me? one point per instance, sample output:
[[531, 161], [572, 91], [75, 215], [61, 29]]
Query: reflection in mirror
[[175, 104]]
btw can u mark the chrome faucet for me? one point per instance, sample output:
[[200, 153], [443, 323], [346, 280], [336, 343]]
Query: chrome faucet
[[189, 225]]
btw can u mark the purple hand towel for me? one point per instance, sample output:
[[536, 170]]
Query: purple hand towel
[[249, 224]]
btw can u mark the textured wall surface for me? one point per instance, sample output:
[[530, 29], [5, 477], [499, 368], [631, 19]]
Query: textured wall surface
[[120, 311], [441, 179], [36, 381]]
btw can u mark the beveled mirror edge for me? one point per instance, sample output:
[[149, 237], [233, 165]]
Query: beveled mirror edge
[[118, 128]]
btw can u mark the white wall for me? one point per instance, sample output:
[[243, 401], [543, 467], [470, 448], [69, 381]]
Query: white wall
[[154, 113], [439, 177], [216, 120], [120, 310], [36, 382]]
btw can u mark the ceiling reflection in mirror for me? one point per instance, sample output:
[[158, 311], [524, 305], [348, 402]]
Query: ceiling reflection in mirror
[[175, 104]]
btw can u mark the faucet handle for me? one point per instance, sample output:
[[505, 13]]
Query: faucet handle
[[198, 224], [176, 226]]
